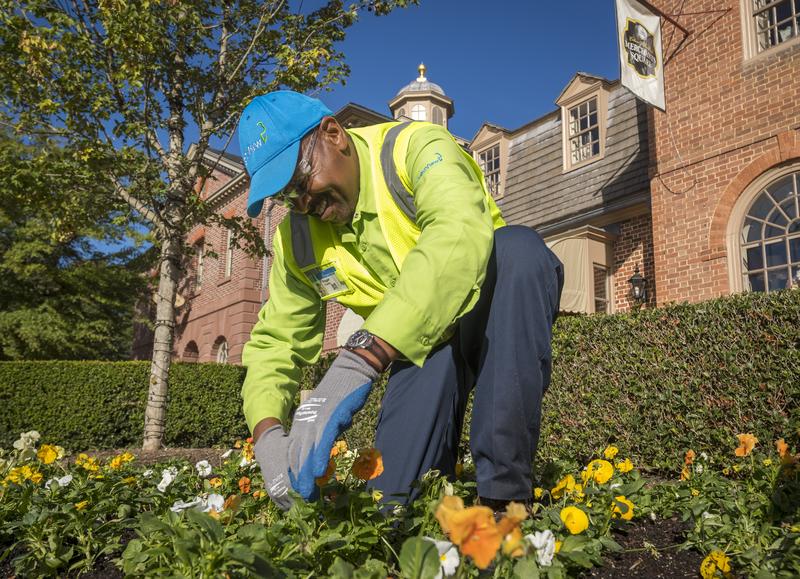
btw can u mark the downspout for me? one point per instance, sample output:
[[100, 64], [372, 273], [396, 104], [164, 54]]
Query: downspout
[[268, 243]]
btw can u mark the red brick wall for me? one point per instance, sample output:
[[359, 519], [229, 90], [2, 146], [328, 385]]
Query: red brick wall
[[633, 247], [223, 307], [728, 120]]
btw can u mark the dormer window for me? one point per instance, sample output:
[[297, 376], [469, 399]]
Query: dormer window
[[489, 161], [584, 132], [584, 112]]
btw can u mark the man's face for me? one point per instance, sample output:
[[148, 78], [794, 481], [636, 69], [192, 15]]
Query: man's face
[[329, 190]]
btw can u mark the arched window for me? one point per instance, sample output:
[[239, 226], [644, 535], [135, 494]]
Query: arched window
[[437, 116], [418, 113], [191, 352], [769, 240], [221, 350], [400, 113]]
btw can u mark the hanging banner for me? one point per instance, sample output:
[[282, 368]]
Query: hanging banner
[[641, 63]]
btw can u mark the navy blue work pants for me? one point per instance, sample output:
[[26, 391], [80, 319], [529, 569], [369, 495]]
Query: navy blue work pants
[[502, 349]]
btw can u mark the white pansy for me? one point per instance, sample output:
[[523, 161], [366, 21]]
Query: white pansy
[[167, 477], [227, 453], [148, 473], [448, 489], [214, 501], [703, 456], [203, 468], [653, 516], [545, 544], [179, 506], [448, 558], [698, 468], [27, 440], [244, 462]]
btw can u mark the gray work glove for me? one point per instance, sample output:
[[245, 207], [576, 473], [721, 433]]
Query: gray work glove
[[320, 420], [272, 453]]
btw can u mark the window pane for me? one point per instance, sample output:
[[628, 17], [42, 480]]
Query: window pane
[[777, 219], [794, 249], [593, 119], [751, 230], [790, 207], [770, 232], [796, 277], [584, 123], [761, 207], [592, 105], [783, 189], [776, 253], [783, 10], [756, 282], [794, 227], [595, 149], [778, 279], [754, 259]]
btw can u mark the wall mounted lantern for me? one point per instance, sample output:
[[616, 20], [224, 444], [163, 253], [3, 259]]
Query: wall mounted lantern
[[638, 286]]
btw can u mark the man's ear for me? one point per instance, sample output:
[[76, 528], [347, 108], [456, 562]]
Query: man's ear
[[333, 132]]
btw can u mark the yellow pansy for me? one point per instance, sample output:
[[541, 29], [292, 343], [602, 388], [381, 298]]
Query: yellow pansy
[[538, 492], [120, 460], [714, 565], [598, 470], [623, 508], [574, 519], [624, 465], [81, 505], [565, 486], [87, 462], [49, 453], [610, 452]]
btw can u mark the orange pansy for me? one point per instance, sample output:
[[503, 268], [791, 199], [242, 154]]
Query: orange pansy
[[368, 464], [746, 444], [244, 485], [689, 458], [339, 448], [474, 529]]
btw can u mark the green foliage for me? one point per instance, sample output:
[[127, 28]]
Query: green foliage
[[656, 382], [61, 297], [101, 404]]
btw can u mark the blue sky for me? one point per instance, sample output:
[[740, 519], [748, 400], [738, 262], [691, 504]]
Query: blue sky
[[502, 61]]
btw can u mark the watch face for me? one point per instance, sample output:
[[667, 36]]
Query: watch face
[[360, 339]]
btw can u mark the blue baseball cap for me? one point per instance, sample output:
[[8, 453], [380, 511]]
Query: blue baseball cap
[[270, 130]]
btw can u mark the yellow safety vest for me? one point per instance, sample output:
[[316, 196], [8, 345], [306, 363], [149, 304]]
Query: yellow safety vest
[[318, 256]]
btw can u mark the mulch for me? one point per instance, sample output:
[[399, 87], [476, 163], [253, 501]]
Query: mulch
[[650, 549]]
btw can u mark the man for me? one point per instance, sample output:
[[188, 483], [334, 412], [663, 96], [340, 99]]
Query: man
[[394, 222]]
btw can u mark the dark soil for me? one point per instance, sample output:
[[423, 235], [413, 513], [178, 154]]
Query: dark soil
[[194, 455], [650, 549]]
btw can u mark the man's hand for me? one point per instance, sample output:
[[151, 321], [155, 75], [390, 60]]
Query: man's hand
[[272, 453], [320, 420]]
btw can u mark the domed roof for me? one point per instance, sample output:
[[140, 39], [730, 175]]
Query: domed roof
[[421, 84]]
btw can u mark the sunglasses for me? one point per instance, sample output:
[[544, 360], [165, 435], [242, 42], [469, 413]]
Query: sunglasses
[[298, 185]]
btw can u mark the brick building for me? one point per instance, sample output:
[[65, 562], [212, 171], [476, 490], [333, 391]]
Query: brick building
[[702, 200], [726, 154]]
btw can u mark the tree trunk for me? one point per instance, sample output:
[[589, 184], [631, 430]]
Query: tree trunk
[[157, 397]]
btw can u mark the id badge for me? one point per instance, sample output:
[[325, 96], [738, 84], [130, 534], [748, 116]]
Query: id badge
[[327, 281]]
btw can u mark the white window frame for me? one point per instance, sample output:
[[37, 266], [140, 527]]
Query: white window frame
[[419, 112], [750, 41], [493, 178], [228, 254], [736, 221], [200, 258], [222, 352], [598, 93]]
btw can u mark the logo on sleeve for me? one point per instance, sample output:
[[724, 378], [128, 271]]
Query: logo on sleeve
[[437, 159]]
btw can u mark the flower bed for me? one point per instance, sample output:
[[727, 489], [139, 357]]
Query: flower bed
[[62, 516]]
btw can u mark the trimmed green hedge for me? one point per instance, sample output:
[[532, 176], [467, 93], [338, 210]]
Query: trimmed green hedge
[[655, 382]]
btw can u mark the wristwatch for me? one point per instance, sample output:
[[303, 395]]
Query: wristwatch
[[364, 340]]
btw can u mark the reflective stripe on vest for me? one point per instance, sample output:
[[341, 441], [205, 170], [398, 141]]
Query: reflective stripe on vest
[[302, 244]]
